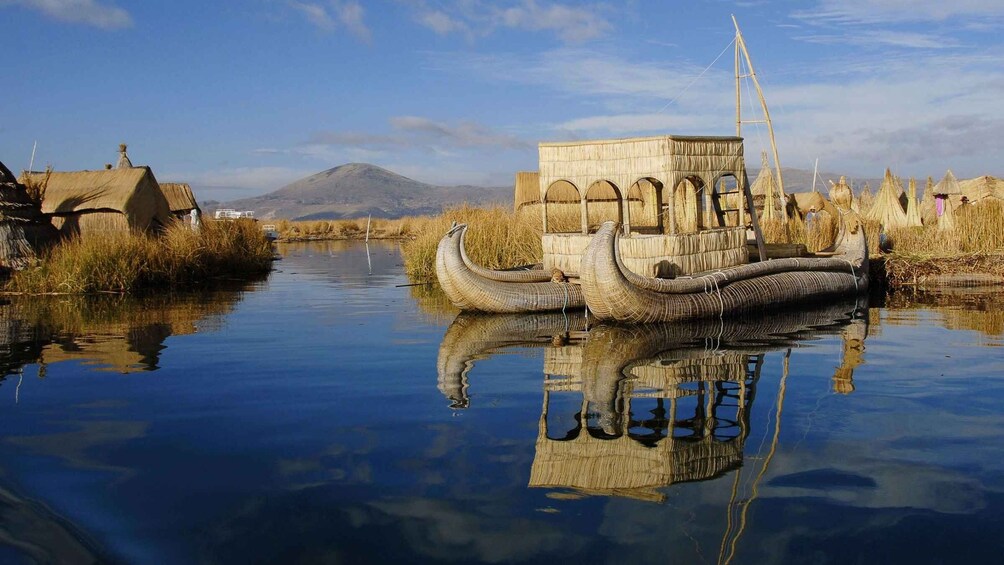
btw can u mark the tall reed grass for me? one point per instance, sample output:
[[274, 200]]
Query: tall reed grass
[[498, 238], [355, 228], [125, 262]]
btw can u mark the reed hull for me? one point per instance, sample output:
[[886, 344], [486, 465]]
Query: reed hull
[[614, 293], [475, 289]]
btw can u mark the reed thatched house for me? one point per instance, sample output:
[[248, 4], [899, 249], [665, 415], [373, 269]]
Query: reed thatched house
[[111, 200], [982, 188], [24, 231], [180, 199]]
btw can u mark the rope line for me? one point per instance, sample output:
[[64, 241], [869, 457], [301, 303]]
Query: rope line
[[686, 88]]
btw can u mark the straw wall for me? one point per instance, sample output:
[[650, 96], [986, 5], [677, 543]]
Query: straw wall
[[527, 188], [668, 159], [656, 255]]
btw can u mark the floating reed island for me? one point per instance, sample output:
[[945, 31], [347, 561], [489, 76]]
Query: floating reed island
[[116, 230]]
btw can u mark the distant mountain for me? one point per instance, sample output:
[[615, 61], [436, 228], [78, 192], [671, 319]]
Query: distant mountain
[[358, 189]]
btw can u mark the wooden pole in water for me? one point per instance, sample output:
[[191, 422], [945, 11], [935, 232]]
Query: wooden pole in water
[[368, 218]]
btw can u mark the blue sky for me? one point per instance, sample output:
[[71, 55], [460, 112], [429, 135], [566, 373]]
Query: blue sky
[[241, 97]]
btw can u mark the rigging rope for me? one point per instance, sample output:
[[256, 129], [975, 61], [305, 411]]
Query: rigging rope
[[698, 77]]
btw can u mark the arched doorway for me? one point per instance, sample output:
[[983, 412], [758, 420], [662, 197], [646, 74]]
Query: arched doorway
[[603, 203], [688, 205], [645, 206], [562, 208]]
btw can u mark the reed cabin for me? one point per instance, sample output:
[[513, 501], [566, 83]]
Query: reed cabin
[[679, 199]]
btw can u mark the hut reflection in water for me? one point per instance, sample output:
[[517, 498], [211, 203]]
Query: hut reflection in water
[[630, 410], [111, 333]]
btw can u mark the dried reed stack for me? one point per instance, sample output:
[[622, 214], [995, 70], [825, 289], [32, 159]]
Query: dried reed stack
[[865, 200], [887, 209], [912, 207], [928, 207], [766, 196]]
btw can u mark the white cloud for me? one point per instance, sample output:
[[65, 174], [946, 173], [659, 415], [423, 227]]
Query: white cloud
[[571, 23], [333, 14], [887, 11], [883, 38], [414, 132], [315, 14], [859, 111], [88, 12], [237, 182], [350, 14]]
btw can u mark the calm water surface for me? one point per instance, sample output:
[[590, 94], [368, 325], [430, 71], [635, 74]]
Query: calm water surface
[[327, 415]]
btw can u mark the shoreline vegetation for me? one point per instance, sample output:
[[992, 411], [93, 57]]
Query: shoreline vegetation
[[970, 254], [127, 262]]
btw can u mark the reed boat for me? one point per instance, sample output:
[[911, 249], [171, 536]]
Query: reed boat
[[471, 287], [613, 292]]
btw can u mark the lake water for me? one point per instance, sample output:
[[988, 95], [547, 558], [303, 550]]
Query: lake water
[[328, 415]]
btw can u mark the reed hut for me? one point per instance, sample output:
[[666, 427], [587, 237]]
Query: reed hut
[[887, 209], [107, 201], [982, 188], [913, 218], [945, 192], [928, 208], [180, 199], [24, 231]]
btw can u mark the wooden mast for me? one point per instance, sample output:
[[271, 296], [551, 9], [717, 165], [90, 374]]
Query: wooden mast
[[741, 45]]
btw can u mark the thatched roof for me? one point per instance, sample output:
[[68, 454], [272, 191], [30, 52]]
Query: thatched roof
[[527, 188], [982, 187], [24, 231], [133, 192], [948, 185], [887, 208], [180, 198]]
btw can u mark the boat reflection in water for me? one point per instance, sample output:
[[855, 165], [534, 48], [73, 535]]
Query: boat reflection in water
[[654, 404]]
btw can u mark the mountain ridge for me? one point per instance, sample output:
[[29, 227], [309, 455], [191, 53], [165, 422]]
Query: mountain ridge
[[355, 190]]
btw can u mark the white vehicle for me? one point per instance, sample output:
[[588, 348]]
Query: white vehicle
[[230, 214]]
